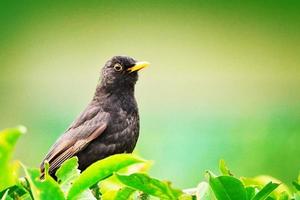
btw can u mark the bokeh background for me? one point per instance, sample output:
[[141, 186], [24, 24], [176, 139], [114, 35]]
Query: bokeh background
[[224, 80]]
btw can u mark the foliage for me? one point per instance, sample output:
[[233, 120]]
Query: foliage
[[124, 176], [8, 139]]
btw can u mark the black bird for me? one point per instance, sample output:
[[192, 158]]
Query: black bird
[[109, 124]]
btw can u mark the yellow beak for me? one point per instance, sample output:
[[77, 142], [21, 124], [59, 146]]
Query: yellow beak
[[138, 66]]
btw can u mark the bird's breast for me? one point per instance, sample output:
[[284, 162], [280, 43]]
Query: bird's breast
[[123, 129], [123, 122]]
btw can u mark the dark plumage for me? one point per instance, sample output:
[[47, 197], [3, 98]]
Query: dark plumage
[[109, 124]]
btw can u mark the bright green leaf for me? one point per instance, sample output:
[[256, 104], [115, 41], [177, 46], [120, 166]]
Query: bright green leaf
[[46, 189], [186, 197], [137, 168], [148, 185], [227, 188], [67, 173], [113, 184], [260, 181], [109, 195], [204, 191], [297, 196], [99, 171], [110, 184], [224, 169], [283, 196], [86, 195], [265, 191], [124, 193], [120, 194], [9, 171]]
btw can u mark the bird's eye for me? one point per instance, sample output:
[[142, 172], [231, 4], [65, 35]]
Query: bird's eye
[[118, 67]]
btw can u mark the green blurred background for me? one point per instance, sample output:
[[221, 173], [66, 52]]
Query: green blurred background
[[224, 80]]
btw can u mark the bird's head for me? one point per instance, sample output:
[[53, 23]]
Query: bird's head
[[121, 72]]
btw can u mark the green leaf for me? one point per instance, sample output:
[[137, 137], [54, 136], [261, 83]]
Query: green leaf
[[224, 169], [122, 193], [262, 180], [297, 196], [186, 197], [250, 192], [144, 196], [137, 168], [111, 185], [296, 185], [99, 171], [109, 195], [46, 189], [266, 191], [67, 173], [151, 186], [227, 188], [14, 192], [9, 171], [204, 191], [24, 184], [5, 195], [283, 196]]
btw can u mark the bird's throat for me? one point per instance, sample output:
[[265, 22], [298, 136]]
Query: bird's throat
[[105, 91]]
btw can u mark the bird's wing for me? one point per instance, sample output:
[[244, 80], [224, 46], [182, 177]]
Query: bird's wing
[[90, 112], [76, 138]]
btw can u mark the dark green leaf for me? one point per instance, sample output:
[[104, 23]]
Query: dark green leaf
[[151, 186], [95, 191], [8, 139], [227, 188], [296, 185], [143, 196], [250, 192], [265, 191], [270, 198], [24, 184], [100, 170], [5, 195], [14, 191]]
